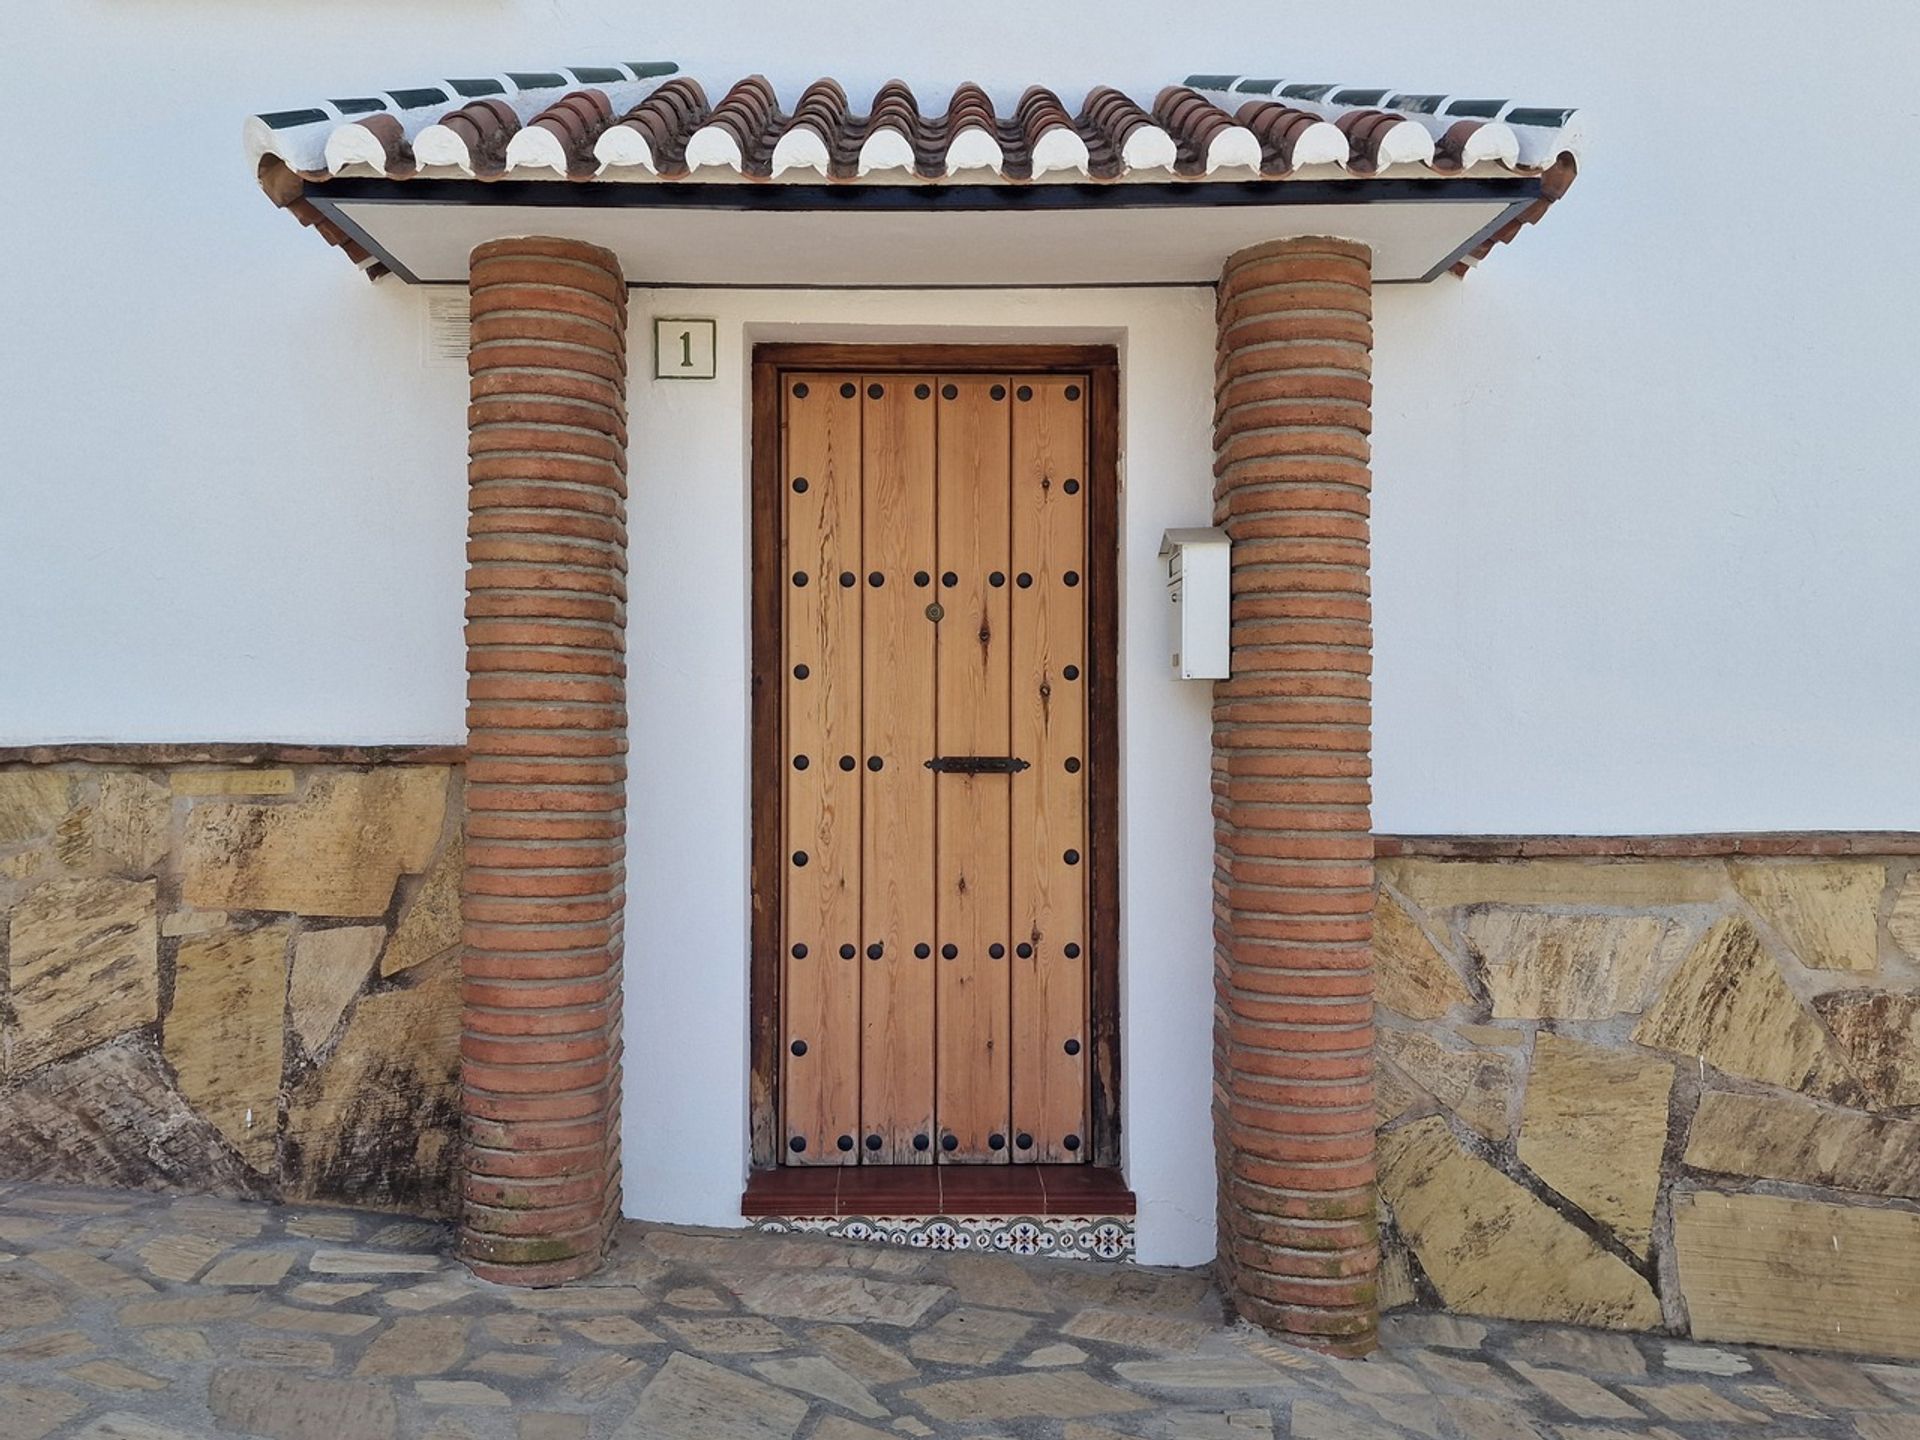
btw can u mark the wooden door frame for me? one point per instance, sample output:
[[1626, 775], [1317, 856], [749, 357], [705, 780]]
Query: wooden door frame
[[1101, 365]]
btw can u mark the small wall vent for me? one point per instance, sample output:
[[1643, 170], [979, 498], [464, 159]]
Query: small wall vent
[[448, 324]]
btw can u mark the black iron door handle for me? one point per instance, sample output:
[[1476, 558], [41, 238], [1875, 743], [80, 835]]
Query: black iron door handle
[[977, 764]]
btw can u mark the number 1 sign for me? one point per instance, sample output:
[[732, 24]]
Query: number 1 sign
[[683, 349]]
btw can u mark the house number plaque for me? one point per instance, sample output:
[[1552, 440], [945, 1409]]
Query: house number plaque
[[683, 349]]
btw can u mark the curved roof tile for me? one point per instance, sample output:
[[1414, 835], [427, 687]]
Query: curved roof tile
[[560, 138], [643, 122], [473, 138]]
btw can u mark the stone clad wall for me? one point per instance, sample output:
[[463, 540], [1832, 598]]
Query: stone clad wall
[[235, 978], [1677, 1094]]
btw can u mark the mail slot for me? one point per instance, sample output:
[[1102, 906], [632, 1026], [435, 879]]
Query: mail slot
[[1199, 611]]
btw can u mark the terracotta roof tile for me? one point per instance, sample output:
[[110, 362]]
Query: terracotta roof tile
[[1128, 136], [1467, 143], [895, 114], [1207, 136], [474, 137], [1291, 138], [560, 138], [1381, 138], [1553, 184], [667, 129], [635, 123], [1048, 139], [808, 143], [653, 135], [735, 135], [378, 141]]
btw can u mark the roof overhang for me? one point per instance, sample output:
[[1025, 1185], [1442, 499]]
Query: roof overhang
[[953, 235], [749, 193]]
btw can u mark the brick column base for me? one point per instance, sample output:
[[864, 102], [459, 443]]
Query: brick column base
[[546, 771], [1293, 881]]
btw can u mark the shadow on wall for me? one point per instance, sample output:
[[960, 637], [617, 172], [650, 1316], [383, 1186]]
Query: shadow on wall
[[1655, 1094], [241, 979]]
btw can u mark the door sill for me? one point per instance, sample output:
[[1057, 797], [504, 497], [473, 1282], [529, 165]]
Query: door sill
[[1067, 1212]]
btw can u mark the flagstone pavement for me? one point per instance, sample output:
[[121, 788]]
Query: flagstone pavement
[[138, 1317]]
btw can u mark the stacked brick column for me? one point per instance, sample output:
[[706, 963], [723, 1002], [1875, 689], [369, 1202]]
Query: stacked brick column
[[546, 769], [1293, 1036]]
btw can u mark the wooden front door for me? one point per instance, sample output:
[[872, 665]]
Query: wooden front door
[[935, 910]]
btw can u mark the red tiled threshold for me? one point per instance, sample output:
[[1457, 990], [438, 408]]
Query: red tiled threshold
[[922, 1190]]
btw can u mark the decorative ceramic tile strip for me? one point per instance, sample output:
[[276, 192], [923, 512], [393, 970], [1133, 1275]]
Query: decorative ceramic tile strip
[[1067, 1237]]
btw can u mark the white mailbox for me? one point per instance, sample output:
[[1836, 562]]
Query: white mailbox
[[1199, 613]]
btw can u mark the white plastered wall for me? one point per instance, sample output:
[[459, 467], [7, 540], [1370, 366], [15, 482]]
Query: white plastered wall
[[1645, 506], [685, 1114]]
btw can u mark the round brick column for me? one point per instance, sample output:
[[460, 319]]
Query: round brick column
[[546, 770], [1293, 1011]]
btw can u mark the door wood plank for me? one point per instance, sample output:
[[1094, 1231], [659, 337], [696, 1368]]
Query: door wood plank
[[972, 667], [1049, 821], [897, 890], [820, 1085]]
